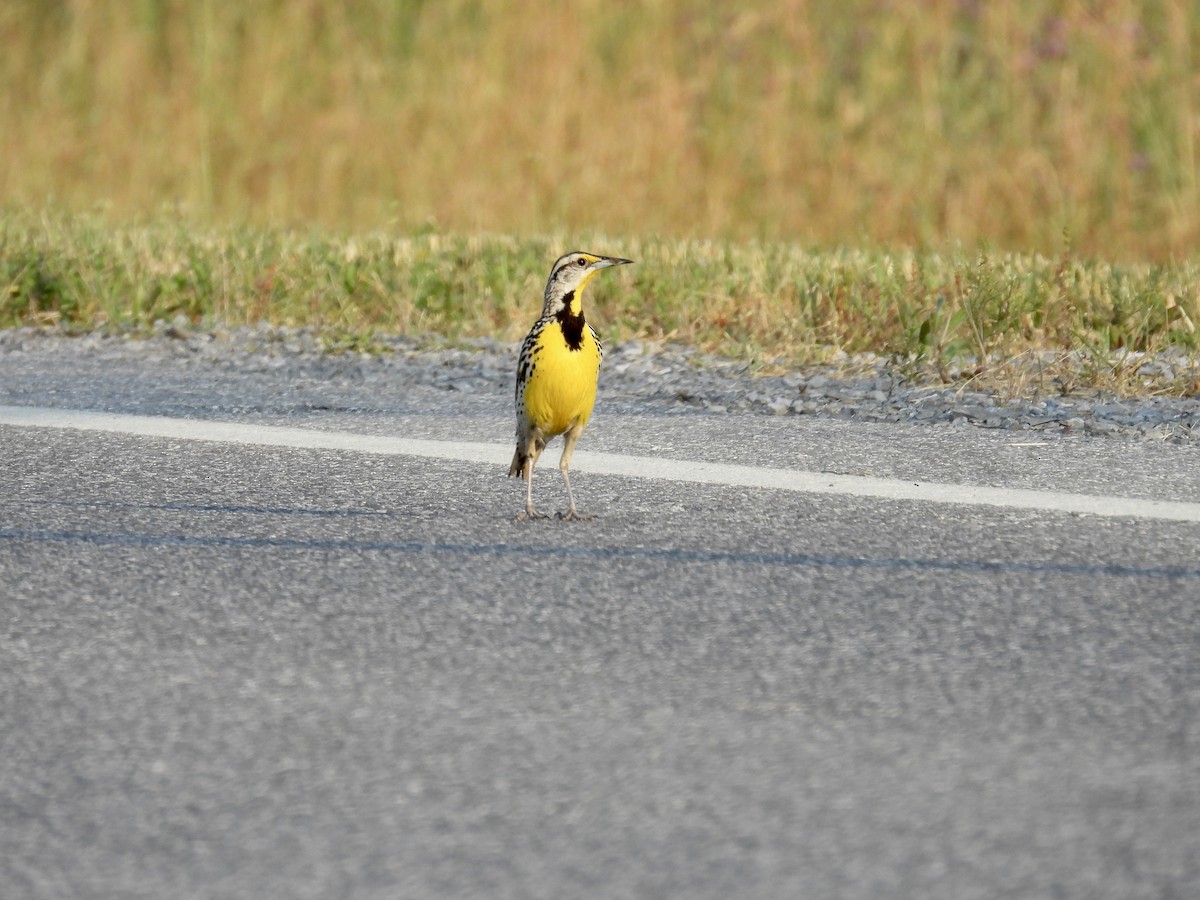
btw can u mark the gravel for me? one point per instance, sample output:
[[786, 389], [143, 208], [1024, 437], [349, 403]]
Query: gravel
[[636, 376]]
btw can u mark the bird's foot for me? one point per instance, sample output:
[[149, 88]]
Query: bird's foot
[[530, 514], [574, 515]]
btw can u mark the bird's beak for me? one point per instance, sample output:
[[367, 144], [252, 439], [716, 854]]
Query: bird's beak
[[605, 261]]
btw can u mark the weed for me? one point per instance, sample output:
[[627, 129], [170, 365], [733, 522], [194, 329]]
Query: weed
[[1028, 322]]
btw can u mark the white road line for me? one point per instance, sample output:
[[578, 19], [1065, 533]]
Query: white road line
[[606, 464]]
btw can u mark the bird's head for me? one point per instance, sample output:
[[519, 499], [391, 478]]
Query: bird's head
[[570, 273]]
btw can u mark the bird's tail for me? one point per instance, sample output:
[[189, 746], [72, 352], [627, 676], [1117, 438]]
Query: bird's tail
[[518, 464]]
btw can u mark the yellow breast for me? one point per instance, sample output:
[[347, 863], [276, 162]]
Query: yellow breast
[[561, 390]]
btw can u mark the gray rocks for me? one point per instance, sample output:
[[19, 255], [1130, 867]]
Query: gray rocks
[[638, 376]]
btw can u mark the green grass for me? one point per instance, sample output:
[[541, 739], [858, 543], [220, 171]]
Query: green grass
[[774, 303]]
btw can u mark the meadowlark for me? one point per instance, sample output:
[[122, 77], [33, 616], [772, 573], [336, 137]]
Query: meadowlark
[[556, 374]]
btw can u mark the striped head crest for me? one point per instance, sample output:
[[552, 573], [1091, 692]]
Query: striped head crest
[[570, 273]]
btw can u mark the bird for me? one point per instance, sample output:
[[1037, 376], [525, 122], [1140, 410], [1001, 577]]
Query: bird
[[557, 371]]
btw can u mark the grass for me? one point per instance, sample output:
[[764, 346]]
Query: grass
[[850, 123], [797, 179], [955, 315]]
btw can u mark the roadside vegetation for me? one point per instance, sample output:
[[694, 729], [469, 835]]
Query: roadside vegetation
[[970, 190], [853, 123], [1047, 323]]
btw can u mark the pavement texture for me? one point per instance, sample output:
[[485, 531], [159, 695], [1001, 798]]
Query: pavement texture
[[234, 671]]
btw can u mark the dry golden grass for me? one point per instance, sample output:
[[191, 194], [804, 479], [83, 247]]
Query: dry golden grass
[[859, 122]]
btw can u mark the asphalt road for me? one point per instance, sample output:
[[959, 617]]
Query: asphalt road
[[232, 670]]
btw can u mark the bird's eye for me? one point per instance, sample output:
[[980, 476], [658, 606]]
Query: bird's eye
[[583, 262]]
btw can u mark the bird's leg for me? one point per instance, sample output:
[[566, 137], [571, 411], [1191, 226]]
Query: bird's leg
[[572, 514], [530, 511]]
